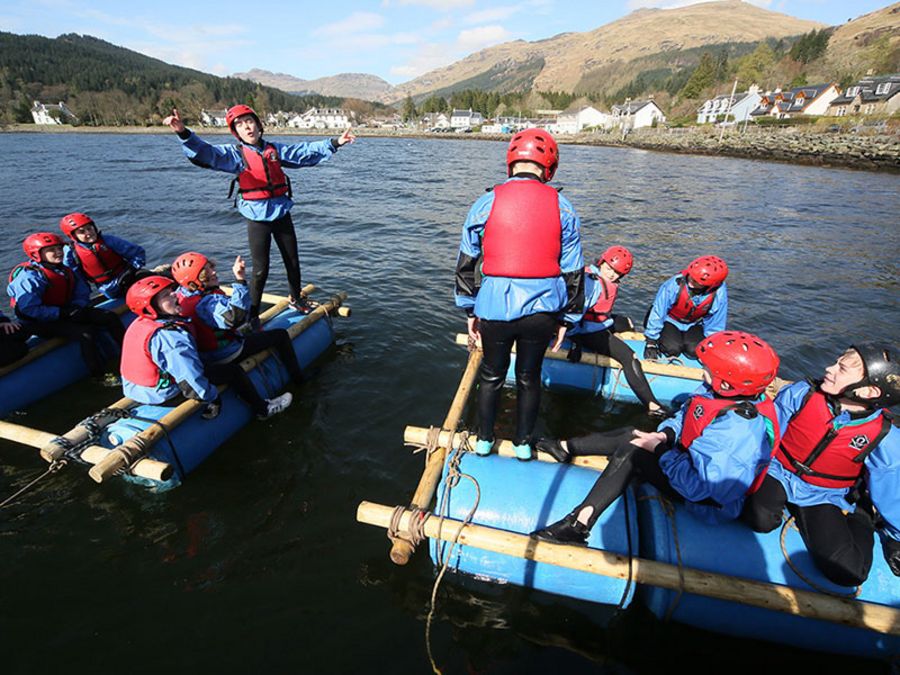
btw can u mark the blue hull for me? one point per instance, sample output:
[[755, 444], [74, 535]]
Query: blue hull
[[188, 445]]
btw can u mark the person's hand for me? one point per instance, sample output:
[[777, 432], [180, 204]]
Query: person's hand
[[211, 410], [648, 440], [347, 137], [560, 336], [10, 327], [239, 268], [651, 350], [474, 332], [174, 121]]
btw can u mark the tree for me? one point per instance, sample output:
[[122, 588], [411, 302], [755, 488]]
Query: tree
[[754, 67], [409, 109], [704, 76]]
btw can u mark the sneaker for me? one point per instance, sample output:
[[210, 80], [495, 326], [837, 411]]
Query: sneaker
[[483, 448], [302, 306], [524, 453], [277, 404], [566, 531], [555, 449]]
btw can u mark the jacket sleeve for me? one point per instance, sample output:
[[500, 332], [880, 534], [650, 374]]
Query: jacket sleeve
[[883, 480], [297, 155], [470, 252], [571, 261], [133, 254], [718, 315], [665, 298], [28, 290], [220, 311], [217, 157], [175, 352]]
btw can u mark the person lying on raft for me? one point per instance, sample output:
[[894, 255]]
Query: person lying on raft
[[13, 340], [688, 307], [839, 457], [708, 457], [160, 360], [598, 326], [216, 317], [53, 301], [110, 263]]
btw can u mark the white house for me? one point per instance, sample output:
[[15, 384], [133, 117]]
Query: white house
[[213, 118], [637, 114], [44, 113], [574, 122], [321, 118], [870, 95], [465, 119], [435, 121], [736, 108], [809, 100]]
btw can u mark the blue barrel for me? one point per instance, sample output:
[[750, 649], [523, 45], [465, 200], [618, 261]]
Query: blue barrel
[[735, 550], [186, 446], [522, 497]]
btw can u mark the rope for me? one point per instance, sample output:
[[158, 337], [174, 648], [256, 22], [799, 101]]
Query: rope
[[630, 580], [669, 510], [142, 450], [788, 523], [53, 468]]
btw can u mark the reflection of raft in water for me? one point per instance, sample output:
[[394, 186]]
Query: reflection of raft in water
[[722, 578], [158, 445]]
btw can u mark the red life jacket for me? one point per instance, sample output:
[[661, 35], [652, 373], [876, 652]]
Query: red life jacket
[[822, 455], [209, 339], [684, 309], [60, 283], [523, 233], [701, 411], [99, 262], [262, 177], [137, 365], [601, 309]]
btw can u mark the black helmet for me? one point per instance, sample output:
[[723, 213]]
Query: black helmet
[[882, 370]]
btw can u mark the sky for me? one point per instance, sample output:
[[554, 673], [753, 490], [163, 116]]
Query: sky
[[396, 40]]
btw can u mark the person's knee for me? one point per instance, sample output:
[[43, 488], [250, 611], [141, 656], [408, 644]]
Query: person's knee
[[528, 380], [846, 566], [492, 377], [760, 519]]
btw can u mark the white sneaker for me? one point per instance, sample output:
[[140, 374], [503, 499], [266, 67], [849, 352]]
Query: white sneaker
[[278, 404]]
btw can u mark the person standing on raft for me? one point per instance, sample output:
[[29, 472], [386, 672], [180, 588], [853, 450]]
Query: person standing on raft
[[688, 307], [264, 190], [709, 457], [598, 326], [526, 238], [837, 469]]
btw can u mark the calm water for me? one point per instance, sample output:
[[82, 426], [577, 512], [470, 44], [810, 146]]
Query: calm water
[[256, 563]]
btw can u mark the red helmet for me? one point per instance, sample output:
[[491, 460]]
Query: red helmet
[[236, 111], [741, 364], [707, 270], [71, 222], [139, 297], [534, 145], [35, 242], [187, 267], [619, 258]]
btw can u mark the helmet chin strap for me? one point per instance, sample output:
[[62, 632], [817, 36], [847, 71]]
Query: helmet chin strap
[[849, 393]]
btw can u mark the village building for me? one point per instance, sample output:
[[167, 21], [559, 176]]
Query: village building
[[436, 120], [213, 118], [736, 108], [321, 118], [870, 96], [47, 113], [465, 119], [637, 114], [809, 100], [573, 122]]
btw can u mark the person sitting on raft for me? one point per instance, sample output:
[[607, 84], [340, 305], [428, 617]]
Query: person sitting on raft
[[264, 190], [526, 237], [839, 457], [110, 263], [598, 326], [160, 360], [13, 340], [688, 307], [53, 301], [708, 457], [217, 318]]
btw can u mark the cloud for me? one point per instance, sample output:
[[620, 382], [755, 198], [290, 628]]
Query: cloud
[[473, 39], [493, 14], [428, 58], [358, 22], [673, 4], [440, 5]]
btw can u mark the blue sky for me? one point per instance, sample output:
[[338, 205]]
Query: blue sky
[[394, 39]]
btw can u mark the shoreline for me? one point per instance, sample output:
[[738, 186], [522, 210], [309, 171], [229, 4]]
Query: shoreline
[[793, 145]]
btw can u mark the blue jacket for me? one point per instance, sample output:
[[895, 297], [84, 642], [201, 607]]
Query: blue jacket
[[28, 289], [133, 254], [882, 467], [228, 158], [174, 352], [223, 313], [721, 463], [592, 290], [713, 322], [507, 299]]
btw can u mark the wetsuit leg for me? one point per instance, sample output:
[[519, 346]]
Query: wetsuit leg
[[497, 339], [13, 346], [85, 334], [671, 340], [631, 368], [260, 240], [279, 340], [533, 334], [286, 239], [101, 318], [600, 442], [692, 338], [233, 375], [763, 509], [840, 546]]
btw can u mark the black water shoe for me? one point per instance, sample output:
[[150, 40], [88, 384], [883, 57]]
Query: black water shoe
[[555, 449], [565, 531]]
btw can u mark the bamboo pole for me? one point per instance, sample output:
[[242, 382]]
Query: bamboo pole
[[419, 436], [139, 444], [401, 549], [57, 447], [589, 359], [854, 613]]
